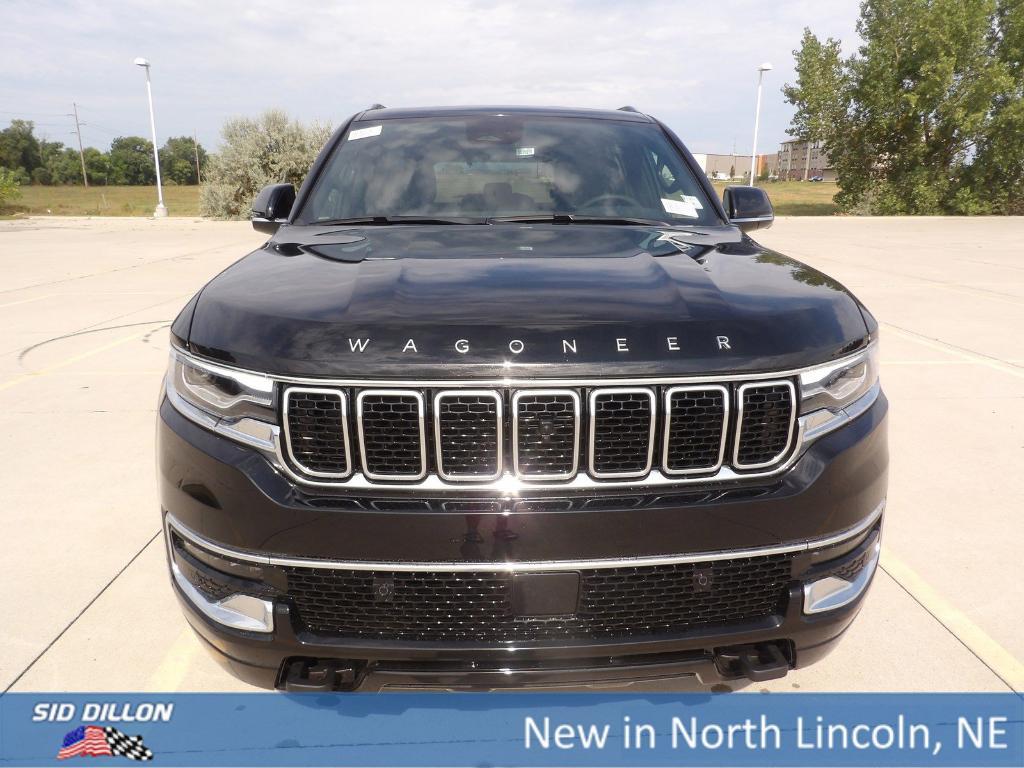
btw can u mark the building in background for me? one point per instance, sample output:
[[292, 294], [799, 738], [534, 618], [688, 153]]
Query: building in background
[[735, 167], [801, 160]]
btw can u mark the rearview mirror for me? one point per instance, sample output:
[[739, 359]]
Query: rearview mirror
[[748, 207], [271, 207]]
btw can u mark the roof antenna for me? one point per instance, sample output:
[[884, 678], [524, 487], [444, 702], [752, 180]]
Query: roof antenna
[[628, 108], [377, 106]]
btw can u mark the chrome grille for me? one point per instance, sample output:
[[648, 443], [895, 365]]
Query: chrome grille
[[464, 435], [316, 430], [391, 434], [696, 425], [621, 432], [767, 412], [468, 434], [546, 433]]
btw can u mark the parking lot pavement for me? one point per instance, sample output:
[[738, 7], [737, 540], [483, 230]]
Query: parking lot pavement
[[84, 308]]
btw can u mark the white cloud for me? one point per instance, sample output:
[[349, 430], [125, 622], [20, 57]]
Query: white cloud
[[691, 64]]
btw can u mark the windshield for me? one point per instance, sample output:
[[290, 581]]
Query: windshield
[[482, 167]]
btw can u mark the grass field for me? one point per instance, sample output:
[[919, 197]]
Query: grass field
[[796, 198], [103, 201], [790, 198]]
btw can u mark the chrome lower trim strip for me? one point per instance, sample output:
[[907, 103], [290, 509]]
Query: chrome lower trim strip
[[537, 565]]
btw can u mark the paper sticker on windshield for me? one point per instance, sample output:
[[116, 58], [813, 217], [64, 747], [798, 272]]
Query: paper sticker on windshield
[[362, 133], [524, 151], [692, 200], [680, 207]]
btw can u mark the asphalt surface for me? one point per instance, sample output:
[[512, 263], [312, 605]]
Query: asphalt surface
[[84, 310]]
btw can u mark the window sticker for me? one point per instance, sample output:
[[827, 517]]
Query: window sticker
[[524, 151], [692, 200], [680, 207], [362, 133]]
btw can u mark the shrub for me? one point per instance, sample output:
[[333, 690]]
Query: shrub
[[8, 187], [268, 150]]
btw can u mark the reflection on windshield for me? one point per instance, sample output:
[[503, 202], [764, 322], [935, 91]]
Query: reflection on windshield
[[491, 167]]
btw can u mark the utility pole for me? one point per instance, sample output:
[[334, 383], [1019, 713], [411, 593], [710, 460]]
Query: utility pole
[[195, 145], [81, 152]]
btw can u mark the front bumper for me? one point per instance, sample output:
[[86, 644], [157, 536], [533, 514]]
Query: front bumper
[[826, 510]]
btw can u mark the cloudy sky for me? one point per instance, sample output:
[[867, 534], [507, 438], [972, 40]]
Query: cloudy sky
[[693, 64]]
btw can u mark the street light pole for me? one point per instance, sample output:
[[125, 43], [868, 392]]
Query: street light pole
[[766, 67], [161, 209]]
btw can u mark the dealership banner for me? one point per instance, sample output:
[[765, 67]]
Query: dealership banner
[[465, 729]]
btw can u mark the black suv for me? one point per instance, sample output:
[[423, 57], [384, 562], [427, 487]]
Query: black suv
[[509, 398]]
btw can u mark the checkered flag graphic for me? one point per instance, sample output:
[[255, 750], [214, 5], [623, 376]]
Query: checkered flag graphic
[[127, 746]]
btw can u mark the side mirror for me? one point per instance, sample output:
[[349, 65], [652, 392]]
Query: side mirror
[[271, 207], [748, 207]]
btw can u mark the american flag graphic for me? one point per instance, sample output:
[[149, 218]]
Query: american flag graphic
[[97, 741]]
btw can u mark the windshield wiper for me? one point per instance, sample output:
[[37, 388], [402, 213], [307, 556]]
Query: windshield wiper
[[385, 220], [576, 218]]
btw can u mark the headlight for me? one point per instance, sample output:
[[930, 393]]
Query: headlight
[[236, 404], [832, 394]]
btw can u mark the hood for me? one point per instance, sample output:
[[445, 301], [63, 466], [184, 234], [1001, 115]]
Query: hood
[[547, 300]]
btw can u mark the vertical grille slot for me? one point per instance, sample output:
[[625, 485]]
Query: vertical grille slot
[[621, 432], [696, 421], [316, 431], [392, 438], [546, 433], [767, 412], [468, 434]]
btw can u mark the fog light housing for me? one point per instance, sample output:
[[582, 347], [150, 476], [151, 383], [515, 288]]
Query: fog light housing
[[238, 611], [833, 591]]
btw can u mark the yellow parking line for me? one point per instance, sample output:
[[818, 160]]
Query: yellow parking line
[[27, 301], [69, 361], [1007, 667], [170, 673], [951, 350]]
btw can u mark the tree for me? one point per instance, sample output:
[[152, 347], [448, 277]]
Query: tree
[[131, 161], [819, 93], [256, 152], [999, 163], [19, 149], [8, 187], [912, 122], [178, 160]]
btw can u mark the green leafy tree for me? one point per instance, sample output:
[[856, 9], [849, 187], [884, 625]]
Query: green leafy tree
[[999, 164], [820, 91], [912, 122], [256, 152], [131, 161], [178, 160], [8, 187], [19, 148]]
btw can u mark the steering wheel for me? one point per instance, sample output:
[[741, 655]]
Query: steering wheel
[[608, 198]]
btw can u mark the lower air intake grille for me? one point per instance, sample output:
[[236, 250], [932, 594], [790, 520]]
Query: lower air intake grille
[[391, 434], [477, 606], [468, 435], [765, 423], [694, 428], [547, 434], [317, 433], [621, 423]]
